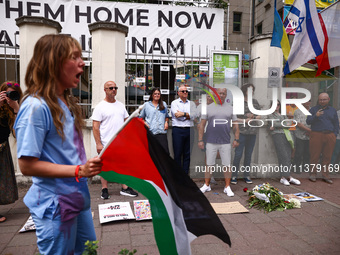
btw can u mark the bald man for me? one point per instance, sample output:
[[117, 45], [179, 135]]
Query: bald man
[[324, 123]]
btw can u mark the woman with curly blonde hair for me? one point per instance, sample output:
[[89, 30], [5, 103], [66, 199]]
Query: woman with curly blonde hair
[[10, 96], [51, 149]]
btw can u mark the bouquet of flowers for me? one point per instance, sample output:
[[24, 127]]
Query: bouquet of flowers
[[269, 198]]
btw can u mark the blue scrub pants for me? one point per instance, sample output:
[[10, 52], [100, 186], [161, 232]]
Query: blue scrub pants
[[69, 237]]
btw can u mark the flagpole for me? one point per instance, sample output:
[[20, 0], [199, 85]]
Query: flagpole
[[329, 6], [133, 115]]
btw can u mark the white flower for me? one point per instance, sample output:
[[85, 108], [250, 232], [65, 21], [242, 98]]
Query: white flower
[[296, 203]]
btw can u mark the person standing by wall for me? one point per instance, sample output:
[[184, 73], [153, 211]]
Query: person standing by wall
[[108, 116], [247, 138], [10, 96], [155, 115], [183, 113], [302, 133], [283, 147], [324, 123], [50, 148], [218, 139]]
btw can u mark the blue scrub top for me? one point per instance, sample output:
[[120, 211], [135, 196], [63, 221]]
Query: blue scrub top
[[37, 137]]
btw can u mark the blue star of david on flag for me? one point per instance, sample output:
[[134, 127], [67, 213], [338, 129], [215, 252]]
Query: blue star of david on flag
[[299, 28]]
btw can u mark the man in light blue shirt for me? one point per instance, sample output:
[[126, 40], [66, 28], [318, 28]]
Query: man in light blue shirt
[[183, 113]]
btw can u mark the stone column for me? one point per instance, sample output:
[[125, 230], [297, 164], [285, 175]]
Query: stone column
[[30, 31], [264, 57], [108, 58]]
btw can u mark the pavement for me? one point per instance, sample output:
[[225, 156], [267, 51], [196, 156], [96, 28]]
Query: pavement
[[313, 229]]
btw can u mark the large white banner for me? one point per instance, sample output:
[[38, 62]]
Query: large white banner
[[153, 29]]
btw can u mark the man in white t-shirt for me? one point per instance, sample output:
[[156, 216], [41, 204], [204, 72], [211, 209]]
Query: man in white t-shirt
[[108, 116]]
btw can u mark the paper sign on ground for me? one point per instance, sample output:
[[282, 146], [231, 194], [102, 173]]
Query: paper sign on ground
[[29, 225], [308, 197], [142, 209], [229, 208], [115, 211]]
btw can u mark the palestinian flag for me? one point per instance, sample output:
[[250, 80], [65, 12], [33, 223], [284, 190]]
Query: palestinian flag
[[180, 211]]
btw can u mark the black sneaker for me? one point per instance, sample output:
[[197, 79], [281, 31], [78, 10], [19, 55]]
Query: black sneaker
[[105, 194], [233, 180], [128, 192]]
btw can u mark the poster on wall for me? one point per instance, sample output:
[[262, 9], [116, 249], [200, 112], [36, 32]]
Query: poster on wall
[[225, 68]]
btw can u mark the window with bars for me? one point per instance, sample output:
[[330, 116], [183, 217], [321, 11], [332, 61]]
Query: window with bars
[[237, 24]]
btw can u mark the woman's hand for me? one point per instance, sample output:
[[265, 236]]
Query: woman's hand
[[2, 97], [91, 168]]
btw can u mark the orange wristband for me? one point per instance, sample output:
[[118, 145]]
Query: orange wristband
[[76, 173]]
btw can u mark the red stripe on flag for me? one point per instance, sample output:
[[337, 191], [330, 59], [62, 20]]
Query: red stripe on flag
[[322, 59], [128, 154]]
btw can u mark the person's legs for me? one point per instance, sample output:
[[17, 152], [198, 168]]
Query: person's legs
[[177, 143], [211, 152], [186, 150], [85, 230], [248, 151], [283, 152], [315, 148], [299, 152], [306, 154], [330, 140], [225, 153], [54, 236], [238, 155]]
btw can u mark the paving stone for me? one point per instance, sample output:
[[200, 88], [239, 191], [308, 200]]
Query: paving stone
[[140, 229], [308, 220], [204, 249], [315, 238], [259, 239], [234, 219], [117, 238], [259, 218], [22, 239], [299, 230], [6, 237], [297, 247], [237, 240], [243, 227], [283, 235], [207, 239], [115, 226], [142, 240], [271, 227], [113, 249], [23, 250], [149, 250], [290, 221], [327, 248], [277, 250]]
